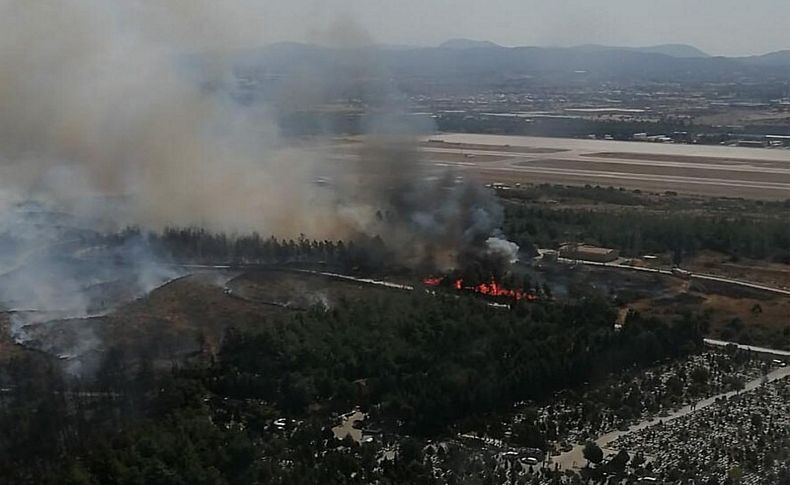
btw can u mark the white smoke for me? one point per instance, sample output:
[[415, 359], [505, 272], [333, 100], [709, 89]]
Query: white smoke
[[508, 250]]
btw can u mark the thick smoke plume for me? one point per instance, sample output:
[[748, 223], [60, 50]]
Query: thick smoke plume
[[118, 113], [104, 98], [436, 221], [134, 100]]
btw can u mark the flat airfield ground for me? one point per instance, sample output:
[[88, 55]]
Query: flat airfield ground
[[691, 169], [716, 171]]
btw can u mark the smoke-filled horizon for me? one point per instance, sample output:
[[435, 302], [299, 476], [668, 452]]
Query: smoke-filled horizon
[[97, 99], [116, 114], [106, 113], [718, 27]]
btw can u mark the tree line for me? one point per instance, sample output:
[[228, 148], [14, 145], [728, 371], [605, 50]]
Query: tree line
[[200, 246], [637, 232], [420, 365]]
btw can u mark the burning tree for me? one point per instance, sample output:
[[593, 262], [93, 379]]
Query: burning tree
[[507, 288]]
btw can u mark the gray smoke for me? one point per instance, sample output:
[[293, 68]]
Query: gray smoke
[[107, 121], [57, 276], [433, 219], [101, 97], [116, 113], [500, 247], [135, 100]]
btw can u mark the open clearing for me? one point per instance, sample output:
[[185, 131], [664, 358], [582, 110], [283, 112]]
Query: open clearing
[[691, 169], [185, 317]]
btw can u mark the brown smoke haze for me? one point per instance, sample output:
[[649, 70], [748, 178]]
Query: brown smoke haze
[[118, 113], [96, 99], [130, 102]]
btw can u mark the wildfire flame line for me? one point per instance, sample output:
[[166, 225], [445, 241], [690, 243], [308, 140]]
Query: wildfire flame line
[[493, 289]]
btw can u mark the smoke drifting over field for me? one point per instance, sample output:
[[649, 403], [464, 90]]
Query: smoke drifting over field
[[98, 97], [124, 113], [104, 98]]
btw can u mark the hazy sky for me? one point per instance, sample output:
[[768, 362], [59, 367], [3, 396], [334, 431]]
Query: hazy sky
[[722, 27]]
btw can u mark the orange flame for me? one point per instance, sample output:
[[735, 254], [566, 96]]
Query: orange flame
[[433, 281], [492, 289]]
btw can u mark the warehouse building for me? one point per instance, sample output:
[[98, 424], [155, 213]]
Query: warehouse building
[[586, 252]]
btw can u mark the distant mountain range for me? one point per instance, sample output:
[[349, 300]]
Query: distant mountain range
[[463, 60], [779, 58], [672, 50], [469, 44]]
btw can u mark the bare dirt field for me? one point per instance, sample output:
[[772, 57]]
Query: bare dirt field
[[631, 182], [171, 322], [685, 159], [669, 172], [745, 116], [8, 349], [735, 314], [185, 317], [771, 274], [688, 169], [483, 147], [298, 291]]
